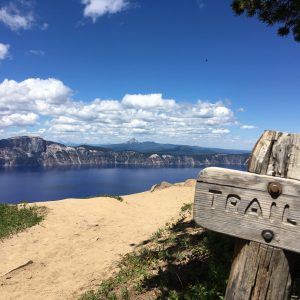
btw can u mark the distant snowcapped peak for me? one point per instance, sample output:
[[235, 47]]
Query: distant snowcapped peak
[[133, 141]]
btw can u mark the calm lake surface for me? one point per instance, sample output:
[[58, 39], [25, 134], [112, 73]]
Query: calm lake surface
[[39, 184]]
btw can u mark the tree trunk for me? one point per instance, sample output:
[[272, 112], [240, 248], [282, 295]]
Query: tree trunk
[[260, 271]]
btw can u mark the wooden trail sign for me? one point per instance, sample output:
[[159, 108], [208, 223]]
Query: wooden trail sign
[[262, 212], [245, 205]]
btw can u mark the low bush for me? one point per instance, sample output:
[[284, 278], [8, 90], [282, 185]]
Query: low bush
[[15, 218]]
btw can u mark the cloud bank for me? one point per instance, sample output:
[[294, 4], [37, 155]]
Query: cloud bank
[[49, 107]]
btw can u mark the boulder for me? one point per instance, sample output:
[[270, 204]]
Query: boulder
[[160, 186]]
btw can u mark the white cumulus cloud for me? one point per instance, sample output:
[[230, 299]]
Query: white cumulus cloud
[[14, 18], [97, 8], [17, 119], [147, 101], [33, 94], [49, 104], [4, 50]]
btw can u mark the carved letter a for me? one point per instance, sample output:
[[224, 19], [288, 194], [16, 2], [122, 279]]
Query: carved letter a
[[254, 209]]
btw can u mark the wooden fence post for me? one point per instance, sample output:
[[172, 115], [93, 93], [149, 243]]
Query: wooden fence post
[[261, 208], [261, 271]]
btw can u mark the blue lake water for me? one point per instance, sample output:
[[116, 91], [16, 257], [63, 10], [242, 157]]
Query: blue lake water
[[38, 184]]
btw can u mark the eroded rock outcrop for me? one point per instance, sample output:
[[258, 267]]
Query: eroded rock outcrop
[[35, 151]]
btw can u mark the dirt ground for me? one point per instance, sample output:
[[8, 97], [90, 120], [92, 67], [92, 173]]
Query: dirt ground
[[80, 240]]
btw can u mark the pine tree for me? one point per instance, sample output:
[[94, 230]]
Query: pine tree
[[286, 13]]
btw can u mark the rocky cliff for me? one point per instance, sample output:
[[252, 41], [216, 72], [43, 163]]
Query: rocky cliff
[[35, 151]]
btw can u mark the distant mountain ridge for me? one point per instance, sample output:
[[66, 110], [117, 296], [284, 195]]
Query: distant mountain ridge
[[35, 151], [172, 149]]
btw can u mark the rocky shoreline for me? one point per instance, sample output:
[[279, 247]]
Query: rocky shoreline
[[35, 151]]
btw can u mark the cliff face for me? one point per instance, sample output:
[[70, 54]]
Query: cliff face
[[34, 151]]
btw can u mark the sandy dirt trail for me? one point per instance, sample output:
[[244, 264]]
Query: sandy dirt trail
[[80, 241]]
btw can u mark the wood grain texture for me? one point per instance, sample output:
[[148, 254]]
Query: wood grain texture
[[239, 204], [276, 154], [260, 271]]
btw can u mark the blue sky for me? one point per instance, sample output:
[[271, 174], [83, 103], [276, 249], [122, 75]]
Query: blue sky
[[102, 71]]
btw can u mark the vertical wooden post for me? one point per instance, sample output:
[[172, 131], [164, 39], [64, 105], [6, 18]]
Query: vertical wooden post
[[260, 271]]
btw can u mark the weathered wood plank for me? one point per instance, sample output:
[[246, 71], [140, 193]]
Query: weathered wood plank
[[259, 160], [261, 271], [294, 159], [246, 180], [239, 204], [276, 154]]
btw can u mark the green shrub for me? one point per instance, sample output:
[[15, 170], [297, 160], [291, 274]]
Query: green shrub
[[15, 218]]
